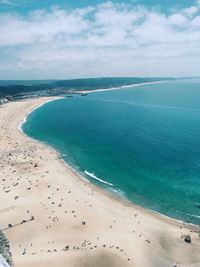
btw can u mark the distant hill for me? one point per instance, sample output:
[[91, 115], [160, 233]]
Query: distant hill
[[94, 83], [24, 82], [19, 89]]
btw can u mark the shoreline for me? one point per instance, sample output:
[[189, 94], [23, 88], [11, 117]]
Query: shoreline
[[119, 87], [108, 203], [27, 115], [106, 191], [111, 193]]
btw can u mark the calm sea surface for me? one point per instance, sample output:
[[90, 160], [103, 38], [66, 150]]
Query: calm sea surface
[[142, 142]]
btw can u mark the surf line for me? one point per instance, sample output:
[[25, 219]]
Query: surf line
[[92, 175]]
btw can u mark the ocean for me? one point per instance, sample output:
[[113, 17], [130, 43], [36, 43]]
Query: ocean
[[142, 143]]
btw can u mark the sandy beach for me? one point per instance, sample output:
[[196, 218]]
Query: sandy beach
[[119, 87], [53, 217]]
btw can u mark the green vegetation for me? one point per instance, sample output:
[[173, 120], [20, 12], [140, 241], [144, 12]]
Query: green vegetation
[[21, 89]]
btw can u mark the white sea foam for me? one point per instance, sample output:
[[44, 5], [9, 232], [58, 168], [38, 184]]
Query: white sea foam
[[92, 175], [119, 192], [20, 126]]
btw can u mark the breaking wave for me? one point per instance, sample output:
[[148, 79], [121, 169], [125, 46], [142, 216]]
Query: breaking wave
[[92, 175]]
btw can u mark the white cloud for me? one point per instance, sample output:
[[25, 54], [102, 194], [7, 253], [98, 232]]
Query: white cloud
[[191, 10], [178, 20], [108, 39]]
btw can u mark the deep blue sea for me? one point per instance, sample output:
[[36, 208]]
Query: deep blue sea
[[142, 143]]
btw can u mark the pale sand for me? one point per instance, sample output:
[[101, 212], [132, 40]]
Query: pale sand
[[119, 87], [34, 182]]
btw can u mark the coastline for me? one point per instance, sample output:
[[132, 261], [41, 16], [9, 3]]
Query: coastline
[[119, 87], [115, 195], [144, 235], [37, 107]]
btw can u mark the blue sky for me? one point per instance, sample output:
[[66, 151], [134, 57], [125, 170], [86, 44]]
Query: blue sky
[[68, 39]]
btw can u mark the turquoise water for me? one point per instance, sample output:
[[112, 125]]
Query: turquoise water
[[142, 143]]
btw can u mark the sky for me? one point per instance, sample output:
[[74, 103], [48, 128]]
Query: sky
[[83, 38]]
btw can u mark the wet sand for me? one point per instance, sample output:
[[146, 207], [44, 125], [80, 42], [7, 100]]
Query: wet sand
[[53, 217]]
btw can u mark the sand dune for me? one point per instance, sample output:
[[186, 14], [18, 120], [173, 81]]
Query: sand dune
[[52, 217]]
